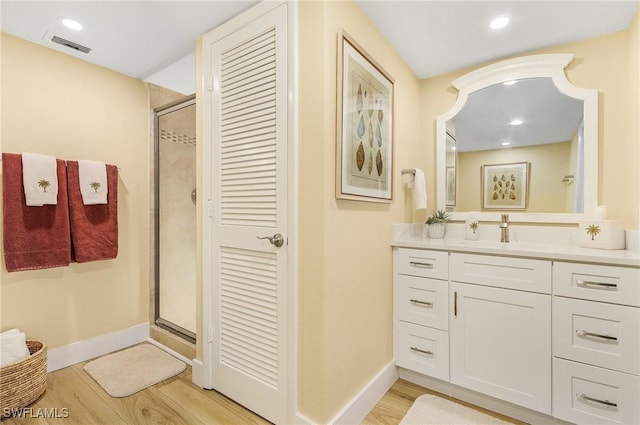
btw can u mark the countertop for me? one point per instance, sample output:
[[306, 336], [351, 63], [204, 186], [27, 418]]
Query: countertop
[[525, 250]]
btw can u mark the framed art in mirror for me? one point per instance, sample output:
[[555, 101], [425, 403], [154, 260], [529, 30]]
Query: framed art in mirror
[[364, 151], [505, 186], [451, 186]]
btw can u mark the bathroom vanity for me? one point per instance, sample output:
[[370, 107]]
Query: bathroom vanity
[[537, 328], [553, 329]]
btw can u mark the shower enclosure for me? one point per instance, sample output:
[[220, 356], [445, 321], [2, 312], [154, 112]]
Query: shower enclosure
[[175, 217]]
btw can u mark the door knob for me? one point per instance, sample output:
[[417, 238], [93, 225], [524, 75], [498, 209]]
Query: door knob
[[276, 240]]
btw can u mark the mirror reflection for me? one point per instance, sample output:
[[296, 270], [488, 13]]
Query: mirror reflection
[[528, 121]]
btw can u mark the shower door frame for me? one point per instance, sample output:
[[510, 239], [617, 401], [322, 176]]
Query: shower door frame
[[177, 105]]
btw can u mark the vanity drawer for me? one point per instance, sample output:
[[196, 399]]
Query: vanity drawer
[[424, 350], [619, 285], [503, 272], [423, 301], [423, 263], [600, 334], [585, 394]]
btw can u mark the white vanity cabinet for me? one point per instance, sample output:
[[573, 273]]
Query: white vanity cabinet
[[500, 337], [596, 343], [421, 290], [533, 336]]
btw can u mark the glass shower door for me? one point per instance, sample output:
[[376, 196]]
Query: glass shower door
[[175, 218]]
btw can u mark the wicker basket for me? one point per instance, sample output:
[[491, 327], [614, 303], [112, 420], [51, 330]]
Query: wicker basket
[[22, 382]]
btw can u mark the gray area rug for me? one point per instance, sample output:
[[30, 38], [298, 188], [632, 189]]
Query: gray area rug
[[433, 410], [128, 371]]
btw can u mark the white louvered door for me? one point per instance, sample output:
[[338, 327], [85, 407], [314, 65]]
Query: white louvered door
[[248, 104]]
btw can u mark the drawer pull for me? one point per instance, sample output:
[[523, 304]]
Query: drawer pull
[[416, 349], [455, 304], [421, 265], [595, 400], [593, 335], [425, 303], [599, 285]]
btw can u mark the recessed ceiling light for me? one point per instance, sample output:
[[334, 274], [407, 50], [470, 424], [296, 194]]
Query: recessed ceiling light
[[453, 148], [516, 122], [499, 22], [506, 143], [510, 83], [71, 24]]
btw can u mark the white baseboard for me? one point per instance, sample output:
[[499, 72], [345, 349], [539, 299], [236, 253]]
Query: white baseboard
[[170, 351], [359, 407], [197, 373], [67, 355], [303, 420]]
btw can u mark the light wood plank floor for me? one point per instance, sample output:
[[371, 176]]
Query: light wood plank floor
[[175, 401]]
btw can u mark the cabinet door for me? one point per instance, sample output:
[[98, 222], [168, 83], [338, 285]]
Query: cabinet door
[[500, 344]]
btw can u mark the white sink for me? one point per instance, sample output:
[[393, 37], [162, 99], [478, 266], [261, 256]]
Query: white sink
[[520, 246]]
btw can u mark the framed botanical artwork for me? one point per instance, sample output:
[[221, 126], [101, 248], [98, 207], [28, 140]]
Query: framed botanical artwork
[[505, 186], [364, 148]]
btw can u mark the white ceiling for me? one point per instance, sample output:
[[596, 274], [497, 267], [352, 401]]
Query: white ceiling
[[136, 38], [436, 37], [139, 38]]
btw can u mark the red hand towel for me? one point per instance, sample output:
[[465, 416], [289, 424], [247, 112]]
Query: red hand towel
[[34, 237], [94, 228]]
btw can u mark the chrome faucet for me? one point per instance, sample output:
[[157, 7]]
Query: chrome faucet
[[504, 228]]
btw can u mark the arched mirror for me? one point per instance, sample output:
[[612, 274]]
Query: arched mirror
[[520, 139]]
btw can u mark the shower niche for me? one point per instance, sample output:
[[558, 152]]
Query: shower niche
[[175, 199]]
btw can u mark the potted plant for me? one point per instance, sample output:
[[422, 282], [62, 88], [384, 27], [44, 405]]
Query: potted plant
[[437, 222]]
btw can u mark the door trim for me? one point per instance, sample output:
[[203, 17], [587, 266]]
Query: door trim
[[202, 373]]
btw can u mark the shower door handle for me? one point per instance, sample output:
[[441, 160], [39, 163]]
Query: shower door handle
[[276, 240]]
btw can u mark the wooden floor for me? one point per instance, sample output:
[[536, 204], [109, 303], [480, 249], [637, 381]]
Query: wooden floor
[[174, 401], [75, 398]]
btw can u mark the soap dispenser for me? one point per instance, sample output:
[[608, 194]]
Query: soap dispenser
[[472, 228]]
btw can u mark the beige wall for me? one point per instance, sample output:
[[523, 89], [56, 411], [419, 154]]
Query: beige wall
[[345, 280], [58, 105], [549, 164], [609, 64], [632, 146]]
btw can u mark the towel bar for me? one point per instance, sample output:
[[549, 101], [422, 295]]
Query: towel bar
[[411, 171], [119, 169]]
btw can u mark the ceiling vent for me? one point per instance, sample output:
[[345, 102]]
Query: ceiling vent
[[71, 44]]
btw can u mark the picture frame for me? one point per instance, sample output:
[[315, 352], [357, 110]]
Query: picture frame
[[364, 125], [505, 186], [451, 187]]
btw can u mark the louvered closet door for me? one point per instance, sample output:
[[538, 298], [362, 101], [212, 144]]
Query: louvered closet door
[[249, 185]]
